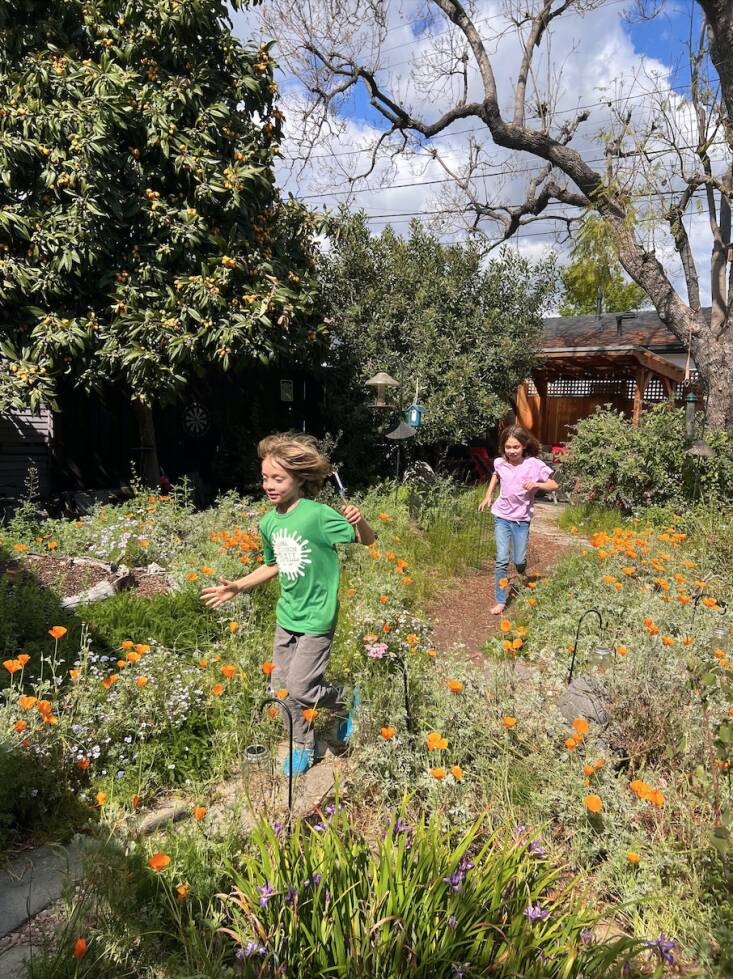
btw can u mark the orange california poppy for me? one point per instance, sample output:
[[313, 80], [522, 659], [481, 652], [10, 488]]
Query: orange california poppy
[[310, 714], [272, 711], [233, 627], [44, 707], [505, 625], [58, 631], [158, 862], [83, 763], [101, 798], [588, 770], [23, 658], [281, 694], [141, 681], [571, 743], [80, 948], [199, 813], [25, 702], [388, 733], [436, 742], [267, 668], [622, 650], [508, 721], [74, 674], [229, 670], [127, 644], [581, 726], [20, 726], [217, 689], [136, 801], [593, 803], [457, 773], [632, 857], [182, 891], [12, 665], [455, 686], [438, 773]]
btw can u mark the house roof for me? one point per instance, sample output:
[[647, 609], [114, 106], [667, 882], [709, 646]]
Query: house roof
[[644, 330]]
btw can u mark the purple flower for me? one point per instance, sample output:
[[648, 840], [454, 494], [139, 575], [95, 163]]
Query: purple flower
[[401, 826], [465, 865], [330, 809], [536, 848], [519, 830], [586, 936], [455, 880], [664, 947], [291, 894], [265, 892], [452, 922], [377, 650], [249, 950], [318, 827], [534, 912]]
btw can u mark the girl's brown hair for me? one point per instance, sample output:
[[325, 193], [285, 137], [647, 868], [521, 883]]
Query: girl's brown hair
[[300, 456], [529, 443]]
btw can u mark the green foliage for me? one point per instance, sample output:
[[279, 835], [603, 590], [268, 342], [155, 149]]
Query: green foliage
[[141, 235], [613, 464], [421, 310], [595, 266], [419, 900]]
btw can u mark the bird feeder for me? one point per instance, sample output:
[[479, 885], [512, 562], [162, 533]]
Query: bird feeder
[[381, 382], [414, 416]]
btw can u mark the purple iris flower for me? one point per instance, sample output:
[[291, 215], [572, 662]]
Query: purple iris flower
[[452, 922], [664, 947], [534, 912], [455, 880], [536, 848], [586, 936], [265, 892]]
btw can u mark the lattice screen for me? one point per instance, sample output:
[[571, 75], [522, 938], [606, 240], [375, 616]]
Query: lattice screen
[[584, 387]]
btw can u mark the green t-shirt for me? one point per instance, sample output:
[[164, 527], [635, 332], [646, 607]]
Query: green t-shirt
[[302, 544]]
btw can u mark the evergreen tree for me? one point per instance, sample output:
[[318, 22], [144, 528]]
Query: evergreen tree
[[141, 233], [595, 267]]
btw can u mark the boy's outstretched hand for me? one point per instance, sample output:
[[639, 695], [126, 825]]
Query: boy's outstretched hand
[[352, 513], [217, 595]]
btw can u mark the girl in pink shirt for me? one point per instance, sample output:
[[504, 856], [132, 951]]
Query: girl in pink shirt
[[520, 474]]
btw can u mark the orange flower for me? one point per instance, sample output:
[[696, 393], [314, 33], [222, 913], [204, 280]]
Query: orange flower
[[267, 668], [133, 657], [158, 862], [383, 599], [182, 891], [593, 803], [121, 664], [141, 681], [207, 571], [351, 592], [229, 670], [407, 581], [531, 601], [217, 689], [310, 714], [21, 547], [44, 707], [25, 702], [20, 726], [438, 773], [80, 948], [435, 741], [390, 555], [386, 627], [384, 517], [199, 813], [457, 773], [281, 694], [622, 650], [632, 857], [58, 631], [571, 743], [710, 602], [455, 686], [12, 665], [388, 733], [83, 763], [581, 726], [517, 643], [136, 801], [127, 644], [272, 710], [191, 576], [142, 648], [668, 641], [411, 639], [74, 674], [375, 554], [656, 797], [503, 582], [505, 625], [508, 721], [101, 798], [588, 770], [233, 627], [23, 658]]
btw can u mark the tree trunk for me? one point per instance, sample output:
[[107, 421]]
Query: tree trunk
[[149, 465], [712, 351]]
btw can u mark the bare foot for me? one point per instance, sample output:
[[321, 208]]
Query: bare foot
[[498, 609]]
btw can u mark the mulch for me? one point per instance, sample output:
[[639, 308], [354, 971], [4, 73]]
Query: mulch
[[68, 576], [461, 614]]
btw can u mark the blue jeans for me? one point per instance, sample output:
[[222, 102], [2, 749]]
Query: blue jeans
[[516, 532]]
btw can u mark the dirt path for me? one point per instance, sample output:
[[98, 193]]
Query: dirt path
[[460, 614]]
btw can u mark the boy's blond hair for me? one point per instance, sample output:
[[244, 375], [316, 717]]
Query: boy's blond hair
[[300, 456]]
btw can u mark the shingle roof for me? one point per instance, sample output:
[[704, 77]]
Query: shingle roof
[[645, 330]]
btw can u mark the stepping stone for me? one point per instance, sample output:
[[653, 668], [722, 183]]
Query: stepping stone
[[37, 879], [584, 697]]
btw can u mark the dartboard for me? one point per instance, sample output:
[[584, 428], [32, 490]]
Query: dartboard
[[196, 419]]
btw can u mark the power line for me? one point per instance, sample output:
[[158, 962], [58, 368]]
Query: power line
[[483, 175]]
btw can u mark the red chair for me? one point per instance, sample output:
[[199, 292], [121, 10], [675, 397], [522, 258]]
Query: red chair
[[483, 464]]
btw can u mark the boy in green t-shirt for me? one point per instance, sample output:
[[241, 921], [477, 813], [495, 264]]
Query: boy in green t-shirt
[[299, 538]]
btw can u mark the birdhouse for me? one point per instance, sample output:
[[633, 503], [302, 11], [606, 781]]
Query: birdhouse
[[381, 382], [414, 415]]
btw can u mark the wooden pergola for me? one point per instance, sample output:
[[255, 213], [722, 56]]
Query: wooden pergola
[[570, 382]]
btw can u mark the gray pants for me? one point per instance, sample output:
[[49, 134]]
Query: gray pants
[[300, 662]]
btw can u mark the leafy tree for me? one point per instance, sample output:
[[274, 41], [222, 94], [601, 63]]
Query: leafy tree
[[141, 234], [425, 311], [595, 266]]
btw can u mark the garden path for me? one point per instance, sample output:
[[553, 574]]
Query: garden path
[[461, 613]]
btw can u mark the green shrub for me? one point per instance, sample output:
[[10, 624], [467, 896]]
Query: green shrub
[[613, 464]]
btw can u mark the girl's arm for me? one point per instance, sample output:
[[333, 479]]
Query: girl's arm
[[489, 492], [226, 590], [364, 533], [546, 484]]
